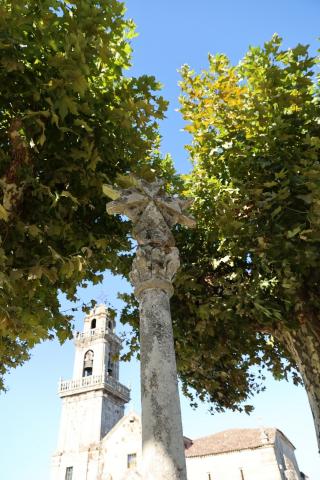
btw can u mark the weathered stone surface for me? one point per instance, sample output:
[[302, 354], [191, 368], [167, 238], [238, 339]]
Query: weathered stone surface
[[161, 418], [153, 213], [154, 267]]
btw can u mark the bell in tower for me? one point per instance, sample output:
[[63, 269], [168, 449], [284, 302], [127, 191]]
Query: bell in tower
[[88, 363]]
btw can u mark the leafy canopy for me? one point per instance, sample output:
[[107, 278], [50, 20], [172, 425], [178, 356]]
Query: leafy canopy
[[70, 121], [251, 270]]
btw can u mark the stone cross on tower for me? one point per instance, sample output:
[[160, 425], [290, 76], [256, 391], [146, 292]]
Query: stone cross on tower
[[153, 214]]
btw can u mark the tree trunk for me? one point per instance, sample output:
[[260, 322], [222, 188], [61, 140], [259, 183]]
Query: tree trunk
[[162, 440], [303, 344]]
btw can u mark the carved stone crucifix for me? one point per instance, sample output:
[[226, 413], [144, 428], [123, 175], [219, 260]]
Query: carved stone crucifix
[[153, 213]]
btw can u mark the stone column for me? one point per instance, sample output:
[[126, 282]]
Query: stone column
[[153, 214]]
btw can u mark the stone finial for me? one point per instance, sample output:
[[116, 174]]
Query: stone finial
[[153, 213]]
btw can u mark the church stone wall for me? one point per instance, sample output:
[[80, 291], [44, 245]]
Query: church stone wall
[[286, 458], [80, 433], [259, 463], [123, 440], [112, 412], [78, 460], [80, 424]]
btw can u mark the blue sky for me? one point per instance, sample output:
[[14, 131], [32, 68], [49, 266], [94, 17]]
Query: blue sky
[[171, 33]]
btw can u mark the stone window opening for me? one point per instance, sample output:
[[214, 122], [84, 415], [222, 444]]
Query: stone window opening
[[69, 472], [131, 460], [110, 365], [93, 323], [88, 363], [110, 325]]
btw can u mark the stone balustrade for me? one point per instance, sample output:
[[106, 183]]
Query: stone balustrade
[[85, 337], [79, 385]]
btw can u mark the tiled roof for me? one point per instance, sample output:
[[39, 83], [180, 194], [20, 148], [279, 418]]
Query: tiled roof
[[231, 440]]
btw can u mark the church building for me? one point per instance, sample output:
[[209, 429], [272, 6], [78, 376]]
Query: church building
[[98, 442]]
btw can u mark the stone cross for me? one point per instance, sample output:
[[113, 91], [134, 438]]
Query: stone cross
[[153, 214]]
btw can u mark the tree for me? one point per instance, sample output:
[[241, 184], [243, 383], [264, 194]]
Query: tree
[[70, 121], [248, 292]]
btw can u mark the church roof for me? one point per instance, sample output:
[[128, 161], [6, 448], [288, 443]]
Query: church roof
[[232, 440]]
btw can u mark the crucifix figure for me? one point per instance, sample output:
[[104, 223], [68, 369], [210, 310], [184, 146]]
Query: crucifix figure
[[153, 214]]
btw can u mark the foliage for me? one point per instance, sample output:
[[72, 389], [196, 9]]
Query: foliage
[[252, 268], [70, 121]]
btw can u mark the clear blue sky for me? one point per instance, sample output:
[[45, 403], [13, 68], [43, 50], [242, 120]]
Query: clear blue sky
[[171, 33]]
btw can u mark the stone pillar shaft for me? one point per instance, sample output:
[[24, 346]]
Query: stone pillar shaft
[[162, 438]]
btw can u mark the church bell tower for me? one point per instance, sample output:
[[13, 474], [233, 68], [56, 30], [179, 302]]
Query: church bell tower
[[92, 401]]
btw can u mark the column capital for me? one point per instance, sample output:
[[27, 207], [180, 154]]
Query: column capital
[[154, 267]]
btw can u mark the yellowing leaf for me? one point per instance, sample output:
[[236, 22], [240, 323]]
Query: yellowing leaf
[[34, 230], [270, 184], [110, 192], [35, 272], [126, 181], [3, 213], [41, 139], [82, 123], [65, 193]]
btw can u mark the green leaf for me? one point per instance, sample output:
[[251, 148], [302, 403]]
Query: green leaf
[[293, 233], [276, 211], [308, 198]]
